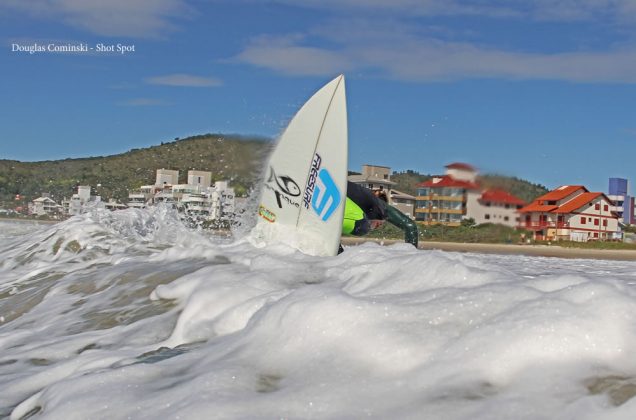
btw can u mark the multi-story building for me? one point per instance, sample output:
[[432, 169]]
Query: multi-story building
[[443, 200], [403, 202], [494, 206], [201, 178], [450, 198], [374, 177], [79, 200], [571, 212], [623, 206], [197, 199], [167, 177], [378, 178], [45, 206]]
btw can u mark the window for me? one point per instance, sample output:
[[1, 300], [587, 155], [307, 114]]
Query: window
[[582, 220], [606, 207], [487, 217], [597, 206], [506, 218], [605, 223], [595, 222], [596, 234]]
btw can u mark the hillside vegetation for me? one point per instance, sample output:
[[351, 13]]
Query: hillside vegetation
[[233, 158], [407, 182]]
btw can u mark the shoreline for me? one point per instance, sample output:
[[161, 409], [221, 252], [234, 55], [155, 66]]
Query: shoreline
[[554, 251], [17, 219]]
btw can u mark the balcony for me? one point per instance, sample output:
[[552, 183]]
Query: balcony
[[534, 225]]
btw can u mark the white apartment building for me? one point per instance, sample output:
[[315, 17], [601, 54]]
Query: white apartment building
[[197, 199], [45, 206]]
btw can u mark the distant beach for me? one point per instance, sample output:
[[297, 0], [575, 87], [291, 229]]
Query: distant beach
[[478, 248], [514, 249]]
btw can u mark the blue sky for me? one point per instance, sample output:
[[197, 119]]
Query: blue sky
[[540, 89]]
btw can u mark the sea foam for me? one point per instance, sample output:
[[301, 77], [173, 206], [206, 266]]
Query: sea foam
[[131, 315]]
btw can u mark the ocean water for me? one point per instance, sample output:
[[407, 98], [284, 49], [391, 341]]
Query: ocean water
[[117, 315]]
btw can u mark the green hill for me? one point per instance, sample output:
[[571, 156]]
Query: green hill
[[229, 157], [234, 158], [523, 189]]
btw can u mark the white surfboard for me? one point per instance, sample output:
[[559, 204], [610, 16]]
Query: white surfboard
[[305, 185]]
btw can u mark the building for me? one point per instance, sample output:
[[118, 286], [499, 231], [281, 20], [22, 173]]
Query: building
[[167, 177], [571, 212], [374, 177], [448, 199], [200, 178], [114, 205], [197, 199], [378, 178], [443, 200], [623, 206], [45, 206], [403, 202], [79, 200], [494, 206]]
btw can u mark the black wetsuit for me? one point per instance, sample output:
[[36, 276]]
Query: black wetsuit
[[376, 209]]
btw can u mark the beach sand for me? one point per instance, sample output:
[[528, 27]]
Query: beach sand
[[532, 250]]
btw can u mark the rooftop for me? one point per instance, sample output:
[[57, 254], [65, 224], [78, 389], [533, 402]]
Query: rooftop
[[448, 181], [501, 196]]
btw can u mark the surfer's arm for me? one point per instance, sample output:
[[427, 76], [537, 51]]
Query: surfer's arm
[[403, 222]]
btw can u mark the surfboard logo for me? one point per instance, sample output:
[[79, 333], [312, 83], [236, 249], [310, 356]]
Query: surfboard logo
[[321, 192], [266, 214], [327, 197], [286, 184]]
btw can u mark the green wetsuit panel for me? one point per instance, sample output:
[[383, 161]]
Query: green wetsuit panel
[[352, 213]]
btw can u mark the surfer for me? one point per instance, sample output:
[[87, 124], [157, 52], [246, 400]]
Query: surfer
[[365, 211]]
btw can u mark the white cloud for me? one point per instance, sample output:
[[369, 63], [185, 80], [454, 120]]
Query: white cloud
[[134, 18], [563, 10], [412, 54], [184, 80], [286, 55]]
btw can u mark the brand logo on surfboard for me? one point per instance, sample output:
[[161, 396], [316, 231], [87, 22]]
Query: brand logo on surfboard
[[285, 185], [266, 214], [321, 191]]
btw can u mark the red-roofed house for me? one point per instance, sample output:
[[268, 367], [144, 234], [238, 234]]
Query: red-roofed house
[[449, 198], [495, 206], [571, 212]]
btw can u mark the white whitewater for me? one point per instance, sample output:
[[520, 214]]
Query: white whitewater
[[130, 315]]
